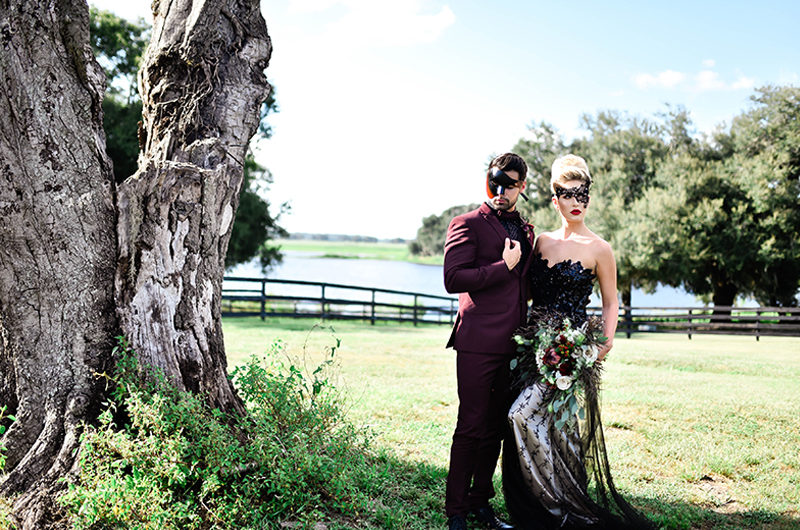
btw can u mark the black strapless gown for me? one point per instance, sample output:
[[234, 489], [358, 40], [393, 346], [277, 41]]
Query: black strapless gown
[[554, 479]]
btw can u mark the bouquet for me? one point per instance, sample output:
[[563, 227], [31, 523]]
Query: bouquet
[[564, 357]]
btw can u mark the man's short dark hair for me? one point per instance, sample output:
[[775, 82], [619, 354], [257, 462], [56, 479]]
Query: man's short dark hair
[[510, 162]]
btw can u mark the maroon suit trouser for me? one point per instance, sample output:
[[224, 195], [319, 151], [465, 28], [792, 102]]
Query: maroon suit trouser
[[483, 381]]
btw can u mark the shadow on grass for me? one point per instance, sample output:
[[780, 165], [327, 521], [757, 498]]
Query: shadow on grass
[[403, 495], [684, 516], [411, 495]]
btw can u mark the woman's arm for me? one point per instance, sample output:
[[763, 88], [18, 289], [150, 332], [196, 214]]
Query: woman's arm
[[606, 271]]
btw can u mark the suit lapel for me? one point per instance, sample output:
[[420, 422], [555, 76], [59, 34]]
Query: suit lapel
[[531, 240], [493, 221]]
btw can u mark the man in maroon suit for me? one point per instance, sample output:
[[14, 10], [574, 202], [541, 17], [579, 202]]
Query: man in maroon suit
[[486, 256]]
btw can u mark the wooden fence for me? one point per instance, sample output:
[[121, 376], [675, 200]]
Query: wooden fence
[[329, 301], [723, 320]]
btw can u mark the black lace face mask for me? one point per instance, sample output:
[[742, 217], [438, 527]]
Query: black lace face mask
[[580, 192]]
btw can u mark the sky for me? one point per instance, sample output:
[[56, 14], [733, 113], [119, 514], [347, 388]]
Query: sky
[[389, 110]]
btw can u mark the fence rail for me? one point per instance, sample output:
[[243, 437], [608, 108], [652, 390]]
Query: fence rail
[[722, 320], [250, 297], [298, 298]]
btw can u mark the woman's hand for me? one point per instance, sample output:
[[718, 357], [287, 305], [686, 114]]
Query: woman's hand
[[604, 349]]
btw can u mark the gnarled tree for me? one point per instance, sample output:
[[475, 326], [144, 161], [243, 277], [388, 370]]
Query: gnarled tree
[[82, 260]]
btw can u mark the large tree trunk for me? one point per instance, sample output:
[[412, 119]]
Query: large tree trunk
[[202, 85], [57, 242], [724, 295], [76, 268]]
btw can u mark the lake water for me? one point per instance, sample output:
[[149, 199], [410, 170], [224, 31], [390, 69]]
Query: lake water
[[403, 276]]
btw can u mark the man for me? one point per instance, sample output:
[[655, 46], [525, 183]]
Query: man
[[486, 256]]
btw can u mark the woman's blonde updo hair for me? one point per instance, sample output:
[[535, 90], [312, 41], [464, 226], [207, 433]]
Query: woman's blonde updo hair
[[569, 167]]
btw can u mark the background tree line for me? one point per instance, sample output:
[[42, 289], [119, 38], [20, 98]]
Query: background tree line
[[119, 45], [716, 214]]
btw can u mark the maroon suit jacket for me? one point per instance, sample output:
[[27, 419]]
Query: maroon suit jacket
[[492, 301]]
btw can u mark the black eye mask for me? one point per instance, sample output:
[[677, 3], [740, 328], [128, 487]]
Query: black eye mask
[[499, 182], [581, 193]]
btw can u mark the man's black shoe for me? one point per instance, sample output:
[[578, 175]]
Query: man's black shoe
[[457, 523], [488, 519]]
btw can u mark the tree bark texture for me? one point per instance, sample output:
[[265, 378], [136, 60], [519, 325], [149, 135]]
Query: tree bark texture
[[57, 242], [81, 261], [202, 85]]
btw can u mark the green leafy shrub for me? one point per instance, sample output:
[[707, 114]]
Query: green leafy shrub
[[3, 416], [161, 458]]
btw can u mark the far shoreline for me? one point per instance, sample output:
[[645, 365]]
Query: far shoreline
[[378, 250]]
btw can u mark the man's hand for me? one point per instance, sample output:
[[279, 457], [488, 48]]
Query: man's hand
[[512, 253]]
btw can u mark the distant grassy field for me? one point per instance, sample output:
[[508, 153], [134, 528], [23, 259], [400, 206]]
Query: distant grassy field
[[357, 250], [701, 433]]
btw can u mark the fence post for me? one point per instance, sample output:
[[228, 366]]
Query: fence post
[[758, 324], [373, 307], [415, 309], [689, 327], [263, 299], [628, 321], [322, 303], [452, 311]]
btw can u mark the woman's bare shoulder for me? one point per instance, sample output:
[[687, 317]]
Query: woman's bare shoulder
[[544, 240], [601, 249]]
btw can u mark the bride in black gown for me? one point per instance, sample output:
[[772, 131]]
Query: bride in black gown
[[559, 478]]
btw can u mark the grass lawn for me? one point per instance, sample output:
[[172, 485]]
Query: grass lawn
[[357, 250], [701, 433]]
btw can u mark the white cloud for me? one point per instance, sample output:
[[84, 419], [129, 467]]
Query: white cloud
[[744, 83], [708, 80], [704, 81], [666, 79], [709, 63]]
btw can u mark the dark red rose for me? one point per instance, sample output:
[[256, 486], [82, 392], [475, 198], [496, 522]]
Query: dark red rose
[[551, 358]]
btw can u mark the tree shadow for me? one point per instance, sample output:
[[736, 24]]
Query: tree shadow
[[688, 516]]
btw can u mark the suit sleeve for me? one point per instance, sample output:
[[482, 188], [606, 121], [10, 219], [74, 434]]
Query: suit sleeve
[[460, 253]]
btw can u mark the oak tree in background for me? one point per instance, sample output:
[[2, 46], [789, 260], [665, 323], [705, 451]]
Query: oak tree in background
[[83, 259], [723, 220], [622, 152], [119, 45], [432, 234], [254, 226]]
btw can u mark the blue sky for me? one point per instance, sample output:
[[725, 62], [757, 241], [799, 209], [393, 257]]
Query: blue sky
[[389, 109]]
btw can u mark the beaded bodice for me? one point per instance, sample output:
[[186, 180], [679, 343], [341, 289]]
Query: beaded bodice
[[564, 288]]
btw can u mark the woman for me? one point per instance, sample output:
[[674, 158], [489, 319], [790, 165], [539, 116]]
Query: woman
[[547, 471]]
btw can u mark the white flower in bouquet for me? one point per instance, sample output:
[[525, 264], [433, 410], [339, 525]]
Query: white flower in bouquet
[[590, 353], [563, 382]]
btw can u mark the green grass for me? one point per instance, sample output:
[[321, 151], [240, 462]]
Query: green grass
[[357, 250], [701, 433]]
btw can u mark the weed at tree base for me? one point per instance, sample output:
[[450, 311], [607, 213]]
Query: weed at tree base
[[172, 462]]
